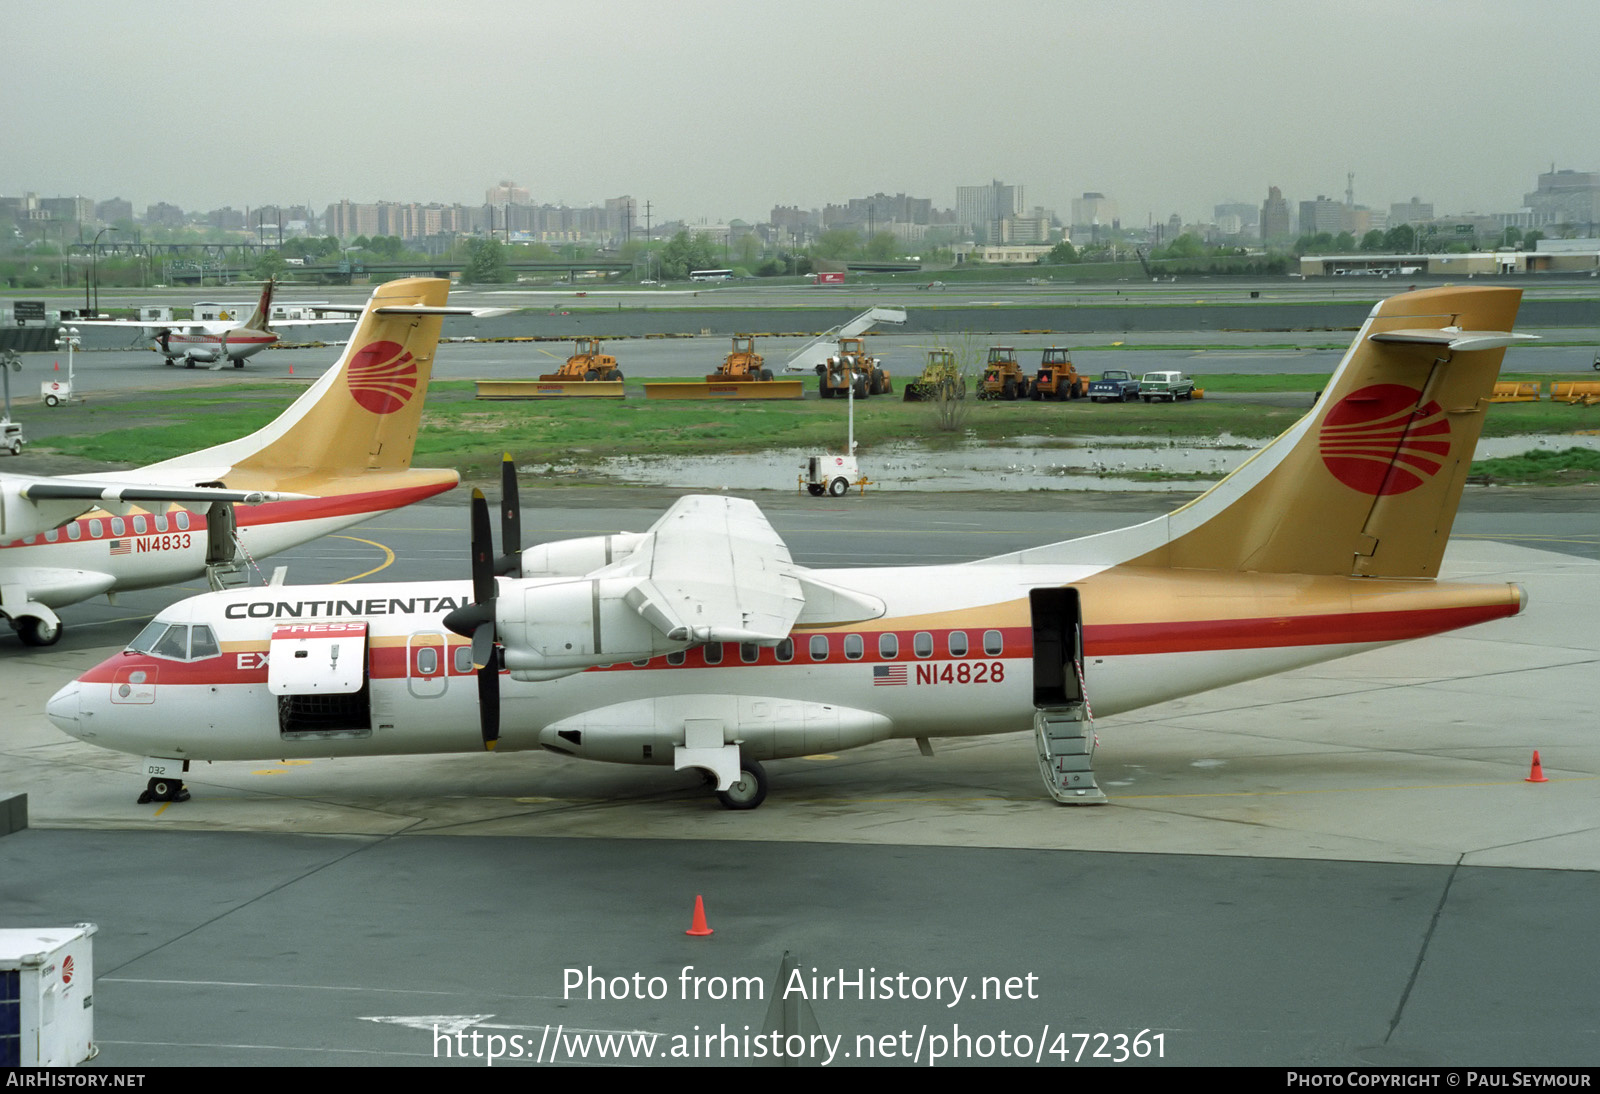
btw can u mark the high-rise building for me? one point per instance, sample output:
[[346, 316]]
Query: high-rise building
[[1323, 215], [1275, 216], [1237, 218], [981, 208], [507, 193]]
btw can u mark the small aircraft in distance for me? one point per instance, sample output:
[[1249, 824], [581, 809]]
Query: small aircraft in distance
[[339, 454], [700, 643], [213, 341]]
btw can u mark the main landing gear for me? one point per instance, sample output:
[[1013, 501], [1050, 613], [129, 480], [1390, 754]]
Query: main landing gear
[[163, 789], [749, 790]]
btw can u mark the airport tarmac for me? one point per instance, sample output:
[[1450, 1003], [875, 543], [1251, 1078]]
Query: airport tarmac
[[1340, 865]]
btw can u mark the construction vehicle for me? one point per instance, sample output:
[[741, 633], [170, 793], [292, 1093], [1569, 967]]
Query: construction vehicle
[[741, 375], [1003, 378], [587, 364], [742, 365], [1057, 379], [853, 367], [940, 379], [587, 374]]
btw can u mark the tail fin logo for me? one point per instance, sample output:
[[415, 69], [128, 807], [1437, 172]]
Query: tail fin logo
[[1378, 441], [382, 377]]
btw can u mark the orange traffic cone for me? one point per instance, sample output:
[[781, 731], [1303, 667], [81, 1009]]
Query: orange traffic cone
[[291, 370], [698, 927], [1536, 773], [58, 366]]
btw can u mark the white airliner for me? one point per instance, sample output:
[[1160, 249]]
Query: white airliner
[[700, 644], [338, 455], [212, 341]]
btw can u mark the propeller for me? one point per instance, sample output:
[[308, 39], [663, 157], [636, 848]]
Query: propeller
[[476, 621], [509, 564]]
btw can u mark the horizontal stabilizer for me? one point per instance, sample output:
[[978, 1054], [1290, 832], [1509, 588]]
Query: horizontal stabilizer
[[1455, 339], [63, 490]]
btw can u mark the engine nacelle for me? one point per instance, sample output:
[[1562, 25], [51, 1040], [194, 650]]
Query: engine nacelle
[[554, 628], [577, 557]]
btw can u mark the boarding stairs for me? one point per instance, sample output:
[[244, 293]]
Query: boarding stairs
[[1064, 734]]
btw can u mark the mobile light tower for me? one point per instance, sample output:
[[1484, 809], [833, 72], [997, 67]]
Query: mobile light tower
[[54, 392]]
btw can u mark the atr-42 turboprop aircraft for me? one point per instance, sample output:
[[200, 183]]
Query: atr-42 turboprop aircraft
[[213, 341], [340, 454], [700, 643]]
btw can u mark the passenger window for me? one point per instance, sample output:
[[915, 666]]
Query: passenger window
[[992, 643], [463, 659], [785, 650], [819, 647], [427, 660], [749, 652], [52, 535], [118, 526], [161, 522], [96, 529], [183, 520], [174, 644], [854, 647], [676, 658], [713, 653], [642, 663], [888, 646], [139, 525], [202, 643], [958, 643], [922, 644], [74, 530]]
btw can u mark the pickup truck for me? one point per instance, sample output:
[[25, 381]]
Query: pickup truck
[[1166, 385], [1116, 385]]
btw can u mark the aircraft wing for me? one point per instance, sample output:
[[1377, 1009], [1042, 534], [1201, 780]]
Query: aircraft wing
[[139, 324], [713, 570]]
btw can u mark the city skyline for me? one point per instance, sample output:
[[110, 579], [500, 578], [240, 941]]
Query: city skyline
[[719, 110]]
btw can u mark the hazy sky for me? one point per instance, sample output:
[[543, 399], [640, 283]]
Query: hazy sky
[[715, 109]]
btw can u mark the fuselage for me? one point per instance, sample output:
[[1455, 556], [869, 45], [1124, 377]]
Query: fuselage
[[956, 653], [213, 342], [105, 553]]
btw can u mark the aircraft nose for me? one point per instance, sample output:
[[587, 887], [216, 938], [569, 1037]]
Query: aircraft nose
[[64, 709]]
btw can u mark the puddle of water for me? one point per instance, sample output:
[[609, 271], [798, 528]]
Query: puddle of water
[[1032, 463]]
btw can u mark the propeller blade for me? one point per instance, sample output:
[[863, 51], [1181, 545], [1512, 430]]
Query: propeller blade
[[482, 551], [510, 560], [489, 701]]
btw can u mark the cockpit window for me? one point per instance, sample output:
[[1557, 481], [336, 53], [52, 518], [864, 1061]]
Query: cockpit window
[[202, 643], [173, 644], [146, 639]]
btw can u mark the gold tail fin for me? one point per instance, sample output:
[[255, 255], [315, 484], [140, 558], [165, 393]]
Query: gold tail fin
[[361, 418], [1369, 481], [261, 318]]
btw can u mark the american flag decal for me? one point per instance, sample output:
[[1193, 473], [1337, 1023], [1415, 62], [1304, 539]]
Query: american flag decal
[[888, 675], [121, 546]]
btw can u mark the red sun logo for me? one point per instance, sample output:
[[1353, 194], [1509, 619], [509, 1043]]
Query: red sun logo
[[382, 377], [1378, 441], [66, 970]]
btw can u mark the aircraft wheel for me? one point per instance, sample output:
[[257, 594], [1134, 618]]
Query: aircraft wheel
[[816, 489], [188, 362], [751, 789], [164, 790], [838, 488], [38, 632], [51, 400], [238, 364]]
